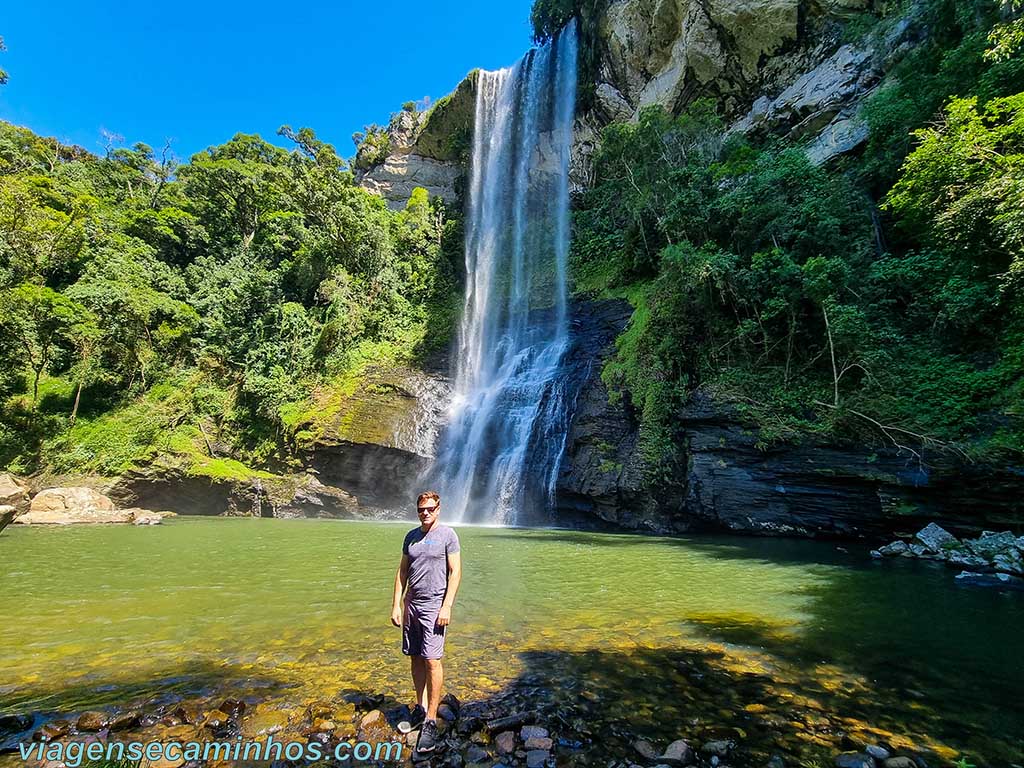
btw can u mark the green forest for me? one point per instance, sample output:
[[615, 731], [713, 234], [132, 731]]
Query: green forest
[[877, 300]]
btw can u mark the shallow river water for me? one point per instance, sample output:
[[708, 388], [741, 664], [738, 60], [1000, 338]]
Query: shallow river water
[[783, 644]]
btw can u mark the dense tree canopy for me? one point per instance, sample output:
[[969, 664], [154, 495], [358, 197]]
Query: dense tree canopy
[[250, 274]]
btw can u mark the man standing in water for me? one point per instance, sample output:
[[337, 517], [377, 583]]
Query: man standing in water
[[428, 577]]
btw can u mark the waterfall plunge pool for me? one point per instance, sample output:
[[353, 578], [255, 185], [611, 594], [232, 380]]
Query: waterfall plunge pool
[[781, 645]]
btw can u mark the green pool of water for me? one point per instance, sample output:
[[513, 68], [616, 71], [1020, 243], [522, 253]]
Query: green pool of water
[[785, 644]]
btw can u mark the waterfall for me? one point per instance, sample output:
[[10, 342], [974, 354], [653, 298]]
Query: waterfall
[[500, 453]]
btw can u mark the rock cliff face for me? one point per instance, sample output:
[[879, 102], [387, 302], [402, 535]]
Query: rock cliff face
[[426, 150], [725, 481], [777, 67]]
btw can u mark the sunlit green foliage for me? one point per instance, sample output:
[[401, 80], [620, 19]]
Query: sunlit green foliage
[[252, 273]]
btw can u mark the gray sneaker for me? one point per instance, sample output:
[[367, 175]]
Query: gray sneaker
[[428, 737]]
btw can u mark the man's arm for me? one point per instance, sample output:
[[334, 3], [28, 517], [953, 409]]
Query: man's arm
[[454, 577], [401, 578]]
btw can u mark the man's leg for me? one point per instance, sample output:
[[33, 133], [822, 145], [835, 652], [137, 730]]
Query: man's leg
[[435, 679], [419, 679]]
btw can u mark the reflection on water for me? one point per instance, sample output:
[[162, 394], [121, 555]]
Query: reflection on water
[[788, 643]]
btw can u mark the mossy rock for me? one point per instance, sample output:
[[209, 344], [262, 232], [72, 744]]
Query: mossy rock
[[448, 125]]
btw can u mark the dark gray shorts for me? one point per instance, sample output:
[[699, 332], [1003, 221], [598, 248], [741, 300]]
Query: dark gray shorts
[[420, 634]]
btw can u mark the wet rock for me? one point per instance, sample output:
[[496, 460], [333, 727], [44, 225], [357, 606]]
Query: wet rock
[[1009, 561], [973, 578], [92, 721], [536, 758], [189, 713], [936, 538], [646, 749], [373, 717], [968, 560], [533, 732], [775, 761], [876, 751], [216, 720], [124, 720], [55, 729], [900, 761], [10, 724], [720, 748], [266, 722], [990, 544], [679, 752], [507, 723], [320, 710], [894, 549], [446, 713], [505, 742], [233, 708], [1020, 544], [854, 760], [364, 702], [477, 754], [919, 550]]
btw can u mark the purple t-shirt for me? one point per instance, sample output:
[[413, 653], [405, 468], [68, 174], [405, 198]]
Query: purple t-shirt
[[428, 562]]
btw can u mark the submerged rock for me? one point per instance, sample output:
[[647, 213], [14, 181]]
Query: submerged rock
[[854, 760]]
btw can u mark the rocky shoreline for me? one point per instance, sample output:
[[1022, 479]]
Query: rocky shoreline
[[509, 730], [991, 559]]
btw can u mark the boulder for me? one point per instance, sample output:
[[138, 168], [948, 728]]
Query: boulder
[[990, 544], [505, 743], [1009, 561], [936, 538], [968, 560], [92, 721], [893, 549], [854, 760], [66, 506], [12, 492], [7, 514], [646, 750], [679, 752], [536, 758], [1005, 580]]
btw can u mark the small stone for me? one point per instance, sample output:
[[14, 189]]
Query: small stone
[[679, 752], [477, 754], [92, 721], [876, 554], [214, 720], [893, 549], [54, 729], [536, 742], [370, 718], [936, 538], [876, 751], [124, 720], [919, 550], [189, 713], [536, 758], [719, 748], [854, 760], [451, 700], [532, 731], [775, 761], [900, 761], [232, 707], [505, 742], [647, 750]]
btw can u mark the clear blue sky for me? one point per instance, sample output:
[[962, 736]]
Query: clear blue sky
[[198, 72]]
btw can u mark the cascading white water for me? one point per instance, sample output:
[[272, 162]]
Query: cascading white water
[[500, 454]]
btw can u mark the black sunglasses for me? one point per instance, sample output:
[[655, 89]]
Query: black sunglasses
[[427, 509]]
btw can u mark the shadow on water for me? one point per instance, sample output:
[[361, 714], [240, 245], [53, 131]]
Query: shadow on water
[[806, 715]]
